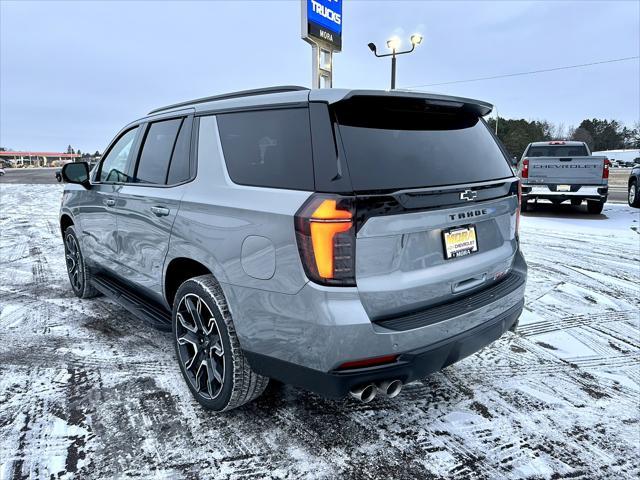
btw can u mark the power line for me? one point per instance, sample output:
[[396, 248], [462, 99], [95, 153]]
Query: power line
[[566, 67]]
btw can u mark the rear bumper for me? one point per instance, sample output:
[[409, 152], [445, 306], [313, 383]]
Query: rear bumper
[[548, 192], [410, 366], [301, 339]]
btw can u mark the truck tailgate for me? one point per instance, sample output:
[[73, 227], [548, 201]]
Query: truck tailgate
[[566, 170]]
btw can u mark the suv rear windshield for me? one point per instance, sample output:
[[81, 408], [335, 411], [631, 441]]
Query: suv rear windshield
[[400, 143], [558, 151]]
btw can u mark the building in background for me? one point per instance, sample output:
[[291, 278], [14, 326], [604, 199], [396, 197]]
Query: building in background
[[37, 159]]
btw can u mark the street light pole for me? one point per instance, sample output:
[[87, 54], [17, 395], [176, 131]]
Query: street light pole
[[393, 70], [393, 45]]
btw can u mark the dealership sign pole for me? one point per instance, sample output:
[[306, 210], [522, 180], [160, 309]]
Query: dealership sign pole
[[322, 28]]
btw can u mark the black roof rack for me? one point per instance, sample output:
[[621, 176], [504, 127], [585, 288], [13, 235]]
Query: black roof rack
[[226, 96]]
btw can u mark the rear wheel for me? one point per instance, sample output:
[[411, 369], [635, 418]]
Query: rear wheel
[[79, 274], [634, 195], [576, 202], [595, 206], [523, 205], [208, 350]]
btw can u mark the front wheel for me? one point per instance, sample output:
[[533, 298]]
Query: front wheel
[[634, 196], [595, 206], [211, 360]]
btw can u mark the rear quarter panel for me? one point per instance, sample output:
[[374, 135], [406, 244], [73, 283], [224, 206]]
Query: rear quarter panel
[[216, 218]]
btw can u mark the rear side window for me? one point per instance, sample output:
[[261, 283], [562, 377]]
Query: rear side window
[[156, 152], [393, 144], [179, 169], [558, 151], [270, 148]]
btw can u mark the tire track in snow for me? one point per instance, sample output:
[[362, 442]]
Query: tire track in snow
[[104, 398]]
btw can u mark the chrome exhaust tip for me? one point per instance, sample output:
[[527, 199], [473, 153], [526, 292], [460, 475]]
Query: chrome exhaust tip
[[390, 388], [364, 393]]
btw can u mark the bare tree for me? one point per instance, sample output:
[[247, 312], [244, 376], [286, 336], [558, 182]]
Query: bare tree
[[560, 132]]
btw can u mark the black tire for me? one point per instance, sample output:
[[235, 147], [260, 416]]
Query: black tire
[[524, 205], [576, 202], [208, 352], [594, 206], [633, 195], [77, 269]]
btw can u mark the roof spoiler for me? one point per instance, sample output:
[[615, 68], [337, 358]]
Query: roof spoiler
[[477, 107]]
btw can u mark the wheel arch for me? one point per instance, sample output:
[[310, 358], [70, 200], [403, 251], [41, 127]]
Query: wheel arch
[[65, 222], [179, 270]]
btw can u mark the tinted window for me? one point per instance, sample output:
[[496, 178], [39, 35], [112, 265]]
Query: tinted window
[[558, 151], [115, 163], [179, 170], [393, 144], [268, 148], [156, 152]]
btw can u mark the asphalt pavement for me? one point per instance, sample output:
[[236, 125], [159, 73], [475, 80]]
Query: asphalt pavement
[[29, 175]]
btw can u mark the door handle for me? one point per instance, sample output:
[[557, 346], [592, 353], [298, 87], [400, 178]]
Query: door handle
[[160, 211], [110, 202]]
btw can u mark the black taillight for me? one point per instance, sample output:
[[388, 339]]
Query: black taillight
[[325, 232]]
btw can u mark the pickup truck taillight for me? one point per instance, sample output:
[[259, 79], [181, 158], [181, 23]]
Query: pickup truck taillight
[[605, 168], [525, 169], [325, 232], [519, 208]]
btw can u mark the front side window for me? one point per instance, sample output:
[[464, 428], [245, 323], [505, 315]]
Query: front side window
[[270, 148], [114, 165], [156, 152]]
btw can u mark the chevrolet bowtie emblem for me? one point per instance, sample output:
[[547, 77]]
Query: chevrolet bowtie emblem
[[468, 195]]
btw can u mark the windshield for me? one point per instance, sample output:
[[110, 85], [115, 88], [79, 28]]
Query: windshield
[[558, 151], [399, 143]]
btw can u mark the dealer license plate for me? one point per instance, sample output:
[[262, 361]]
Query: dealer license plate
[[563, 188], [459, 242]]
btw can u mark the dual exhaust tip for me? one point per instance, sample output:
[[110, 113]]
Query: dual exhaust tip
[[367, 392]]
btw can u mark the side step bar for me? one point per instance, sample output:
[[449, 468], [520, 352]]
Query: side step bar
[[147, 310]]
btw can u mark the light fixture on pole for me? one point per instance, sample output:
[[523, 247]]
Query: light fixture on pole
[[393, 44]]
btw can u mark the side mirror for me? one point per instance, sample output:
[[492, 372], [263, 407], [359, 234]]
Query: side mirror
[[76, 173]]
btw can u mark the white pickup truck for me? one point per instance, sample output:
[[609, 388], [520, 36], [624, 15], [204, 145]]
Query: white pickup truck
[[563, 170]]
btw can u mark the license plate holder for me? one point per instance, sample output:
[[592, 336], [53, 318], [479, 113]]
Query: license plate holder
[[459, 241]]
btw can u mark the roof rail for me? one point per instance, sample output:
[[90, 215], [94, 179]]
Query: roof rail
[[226, 96]]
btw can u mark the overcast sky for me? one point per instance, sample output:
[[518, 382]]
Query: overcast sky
[[76, 72]]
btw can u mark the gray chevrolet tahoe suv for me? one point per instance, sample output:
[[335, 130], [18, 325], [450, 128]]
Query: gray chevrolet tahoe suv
[[344, 241]]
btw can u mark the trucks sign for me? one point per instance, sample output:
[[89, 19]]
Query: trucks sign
[[322, 22]]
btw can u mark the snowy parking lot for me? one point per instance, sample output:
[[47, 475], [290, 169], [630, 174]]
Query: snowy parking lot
[[88, 391]]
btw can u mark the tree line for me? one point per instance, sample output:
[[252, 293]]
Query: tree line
[[70, 149], [598, 134]]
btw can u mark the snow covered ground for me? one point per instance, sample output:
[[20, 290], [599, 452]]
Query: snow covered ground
[[86, 390]]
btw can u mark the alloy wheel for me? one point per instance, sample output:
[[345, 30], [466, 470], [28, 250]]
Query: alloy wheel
[[632, 193], [200, 347], [74, 264]]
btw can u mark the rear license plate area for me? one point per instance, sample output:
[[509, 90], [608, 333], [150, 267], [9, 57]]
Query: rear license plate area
[[563, 188], [459, 241]]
